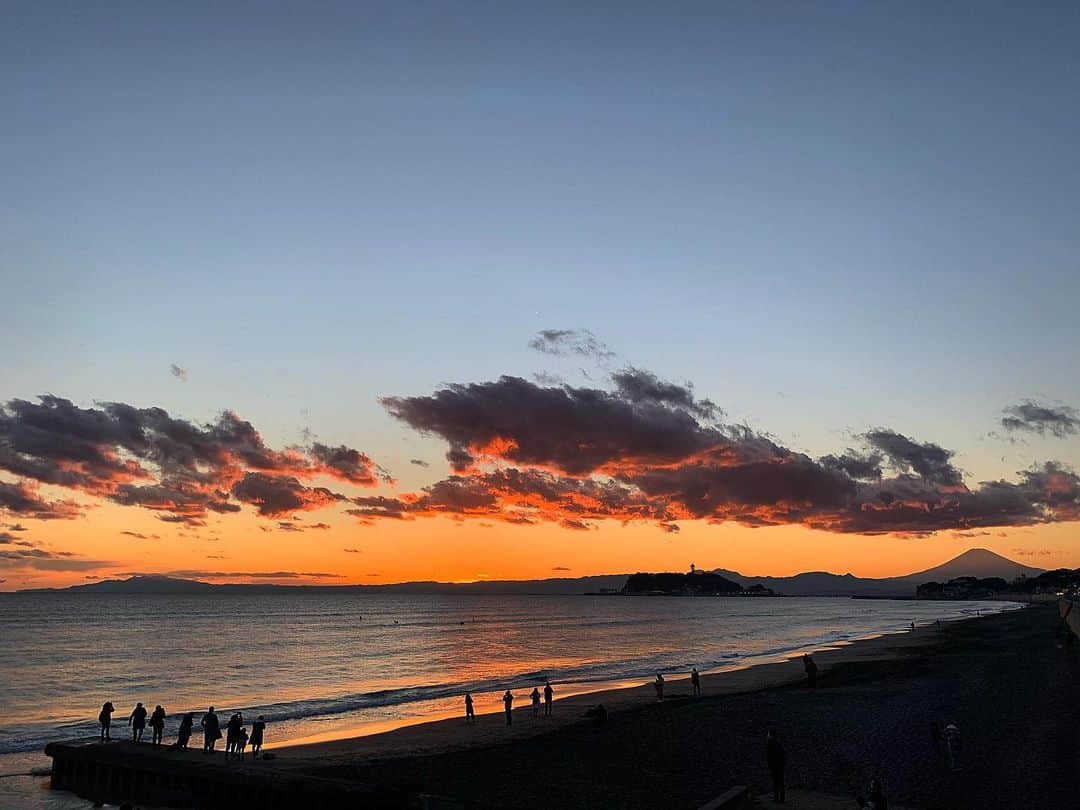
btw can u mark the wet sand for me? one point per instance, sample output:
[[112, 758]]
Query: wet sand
[[1001, 677]]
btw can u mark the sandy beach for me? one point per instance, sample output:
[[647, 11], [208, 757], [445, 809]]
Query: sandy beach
[[1001, 677]]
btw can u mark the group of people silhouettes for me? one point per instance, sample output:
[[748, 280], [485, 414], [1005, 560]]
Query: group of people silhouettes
[[548, 696], [237, 737]]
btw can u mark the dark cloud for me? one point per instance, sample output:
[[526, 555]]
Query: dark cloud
[[560, 568], [637, 385], [352, 551], [928, 460], [179, 372], [649, 450], [17, 527], [565, 342], [574, 523], [419, 462], [274, 495], [21, 499], [8, 539], [144, 457], [1031, 417], [141, 536], [200, 574], [42, 560]]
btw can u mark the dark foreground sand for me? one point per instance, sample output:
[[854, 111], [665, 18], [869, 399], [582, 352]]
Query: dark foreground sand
[[1003, 678]]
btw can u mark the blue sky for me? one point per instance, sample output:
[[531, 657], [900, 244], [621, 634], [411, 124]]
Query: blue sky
[[827, 216]]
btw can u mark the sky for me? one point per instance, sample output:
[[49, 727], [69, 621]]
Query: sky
[[763, 286]]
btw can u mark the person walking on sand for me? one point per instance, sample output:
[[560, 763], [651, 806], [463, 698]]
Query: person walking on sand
[[470, 715], [258, 728], [211, 731], [776, 759], [658, 685], [137, 721], [535, 696], [157, 724], [183, 734], [952, 745], [105, 720], [695, 681], [811, 670], [549, 695], [913, 627], [508, 702]]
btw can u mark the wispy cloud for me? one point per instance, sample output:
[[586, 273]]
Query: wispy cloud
[[1060, 421], [179, 372]]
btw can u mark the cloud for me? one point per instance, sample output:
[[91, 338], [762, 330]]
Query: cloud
[[1024, 552], [22, 499], [17, 527], [146, 458], [200, 574], [8, 539], [560, 568], [141, 536], [352, 551], [419, 462], [179, 372], [1031, 417], [566, 342], [650, 450], [42, 560]]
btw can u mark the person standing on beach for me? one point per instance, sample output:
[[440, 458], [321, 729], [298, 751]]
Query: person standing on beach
[[952, 744], [184, 732], [105, 720], [695, 681], [811, 670], [776, 759], [658, 685], [258, 728], [470, 715], [137, 721], [232, 734], [508, 702], [535, 697], [157, 724], [211, 731], [548, 696]]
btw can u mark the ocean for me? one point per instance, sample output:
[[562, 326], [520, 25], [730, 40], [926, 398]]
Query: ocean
[[323, 665]]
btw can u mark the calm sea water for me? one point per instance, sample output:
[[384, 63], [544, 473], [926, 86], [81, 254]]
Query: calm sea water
[[317, 664]]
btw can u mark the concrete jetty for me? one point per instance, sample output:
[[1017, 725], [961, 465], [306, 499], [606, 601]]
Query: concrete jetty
[[138, 773]]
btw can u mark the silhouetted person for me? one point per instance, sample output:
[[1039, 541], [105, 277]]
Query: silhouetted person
[[232, 733], [211, 731], [470, 715], [913, 627], [598, 714], [658, 685], [811, 670], [876, 800], [695, 681], [508, 702], [258, 728], [549, 695], [105, 720], [776, 759], [184, 732], [535, 696], [241, 742], [952, 744], [157, 724], [137, 721]]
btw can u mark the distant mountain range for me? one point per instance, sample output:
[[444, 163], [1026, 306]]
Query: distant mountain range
[[977, 562]]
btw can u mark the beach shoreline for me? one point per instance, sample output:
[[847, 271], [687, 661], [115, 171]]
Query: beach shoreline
[[450, 732]]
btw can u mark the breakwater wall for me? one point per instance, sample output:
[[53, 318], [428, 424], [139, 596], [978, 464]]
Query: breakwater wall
[[121, 772]]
